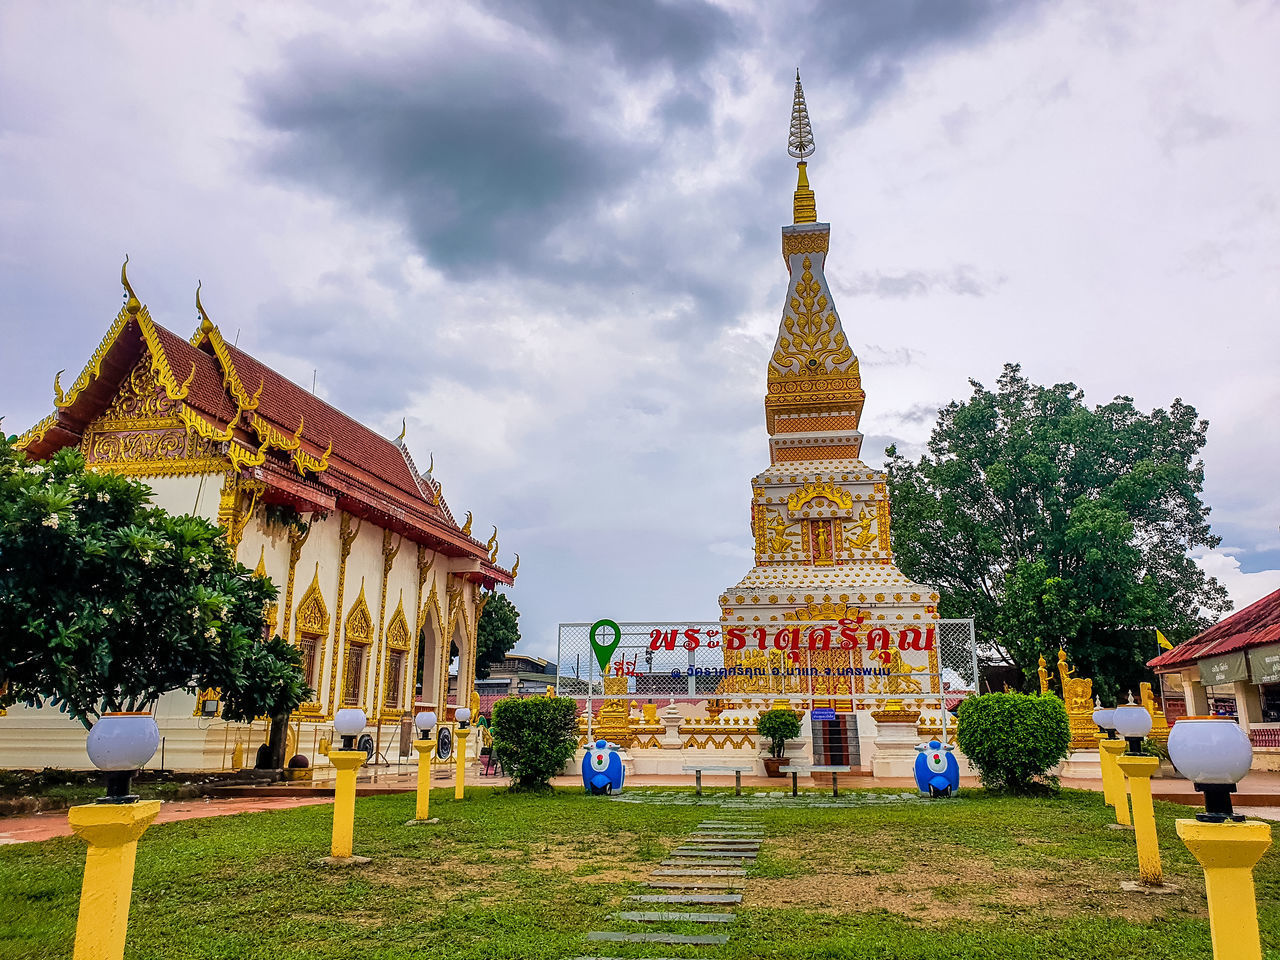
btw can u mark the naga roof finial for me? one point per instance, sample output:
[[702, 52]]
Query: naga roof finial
[[132, 304], [800, 142], [404, 428], [206, 325]]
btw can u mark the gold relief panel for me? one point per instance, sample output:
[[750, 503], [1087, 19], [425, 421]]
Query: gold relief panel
[[811, 340], [812, 241]]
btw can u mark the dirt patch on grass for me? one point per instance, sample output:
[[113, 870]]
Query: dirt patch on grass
[[958, 883]]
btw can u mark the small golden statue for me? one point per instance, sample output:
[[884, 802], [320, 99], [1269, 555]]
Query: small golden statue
[[1044, 676], [1159, 725]]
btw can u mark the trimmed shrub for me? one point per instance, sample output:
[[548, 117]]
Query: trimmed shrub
[[1014, 739], [533, 738], [778, 726]]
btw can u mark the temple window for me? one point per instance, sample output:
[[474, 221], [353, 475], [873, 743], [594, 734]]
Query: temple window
[[398, 643], [311, 636], [359, 637], [395, 675], [353, 676]]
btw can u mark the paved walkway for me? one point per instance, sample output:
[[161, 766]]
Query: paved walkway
[[1258, 795], [42, 826], [707, 870]]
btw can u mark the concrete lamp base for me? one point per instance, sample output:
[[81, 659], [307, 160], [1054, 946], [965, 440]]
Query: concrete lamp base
[[344, 861], [1137, 886]]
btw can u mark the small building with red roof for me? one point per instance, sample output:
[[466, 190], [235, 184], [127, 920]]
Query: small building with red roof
[[377, 579], [1233, 669]]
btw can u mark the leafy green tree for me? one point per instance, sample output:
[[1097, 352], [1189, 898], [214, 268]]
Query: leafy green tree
[[107, 602], [1054, 523], [497, 633]]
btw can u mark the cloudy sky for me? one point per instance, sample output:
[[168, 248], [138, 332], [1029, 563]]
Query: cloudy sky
[[546, 232]]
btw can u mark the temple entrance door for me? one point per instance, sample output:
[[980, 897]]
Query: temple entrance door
[[835, 742], [425, 683]]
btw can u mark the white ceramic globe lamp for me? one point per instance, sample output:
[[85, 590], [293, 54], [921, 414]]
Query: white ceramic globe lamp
[[1132, 722], [464, 717], [119, 744], [1214, 754], [1104, 718], [425, 722], [349, 723]]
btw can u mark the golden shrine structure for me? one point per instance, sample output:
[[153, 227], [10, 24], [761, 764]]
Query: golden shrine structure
[[820, 517], [376, 578]]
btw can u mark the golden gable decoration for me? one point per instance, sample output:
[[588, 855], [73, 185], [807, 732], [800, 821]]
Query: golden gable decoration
[[359, 620]]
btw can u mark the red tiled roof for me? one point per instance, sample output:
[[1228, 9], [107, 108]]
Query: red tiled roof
[[206, 393], [366, 473], [1256, 625]]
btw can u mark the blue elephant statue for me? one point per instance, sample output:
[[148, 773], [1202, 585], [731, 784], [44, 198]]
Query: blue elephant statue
[[602, 768], [937, 771]]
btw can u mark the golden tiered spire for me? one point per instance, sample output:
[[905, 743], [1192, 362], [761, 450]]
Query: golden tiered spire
[[800, 145]]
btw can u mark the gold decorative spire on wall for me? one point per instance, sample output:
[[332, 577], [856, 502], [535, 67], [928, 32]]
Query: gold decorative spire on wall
[[800, 146]]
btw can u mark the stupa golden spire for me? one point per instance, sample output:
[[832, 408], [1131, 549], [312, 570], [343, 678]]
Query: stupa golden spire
[[814, 399], [800, 146]]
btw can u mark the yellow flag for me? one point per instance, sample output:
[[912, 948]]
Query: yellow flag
[[1163, 641]]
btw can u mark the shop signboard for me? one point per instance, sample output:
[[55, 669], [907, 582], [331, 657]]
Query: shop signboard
[[1264, 664], [1228, 668]]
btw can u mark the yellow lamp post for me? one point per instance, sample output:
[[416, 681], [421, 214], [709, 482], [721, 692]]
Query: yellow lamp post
[[424, 722], [463, 715], [1138, 771], [1102, 717], [348, 724], [119, 744], [1113, 786], [1215, 754], [1133, 723], [1113, 780]]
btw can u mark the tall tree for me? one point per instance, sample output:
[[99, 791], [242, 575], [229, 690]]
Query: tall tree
[[106, 602], [497, 634], [1054, 523]]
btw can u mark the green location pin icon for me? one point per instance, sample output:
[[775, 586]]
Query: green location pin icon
[[603, 647]]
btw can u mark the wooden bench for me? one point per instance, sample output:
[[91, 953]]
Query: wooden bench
[[735, 769], [796, 769]]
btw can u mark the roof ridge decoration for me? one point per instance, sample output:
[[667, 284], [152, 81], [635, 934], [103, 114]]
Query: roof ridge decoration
[[272, 437], [132, 310], [230, 377], [492, 545]]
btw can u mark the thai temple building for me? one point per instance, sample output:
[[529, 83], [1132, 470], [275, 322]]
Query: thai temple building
[[376, 577]]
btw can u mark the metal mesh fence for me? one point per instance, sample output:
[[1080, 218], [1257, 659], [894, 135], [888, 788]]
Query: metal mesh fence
[[804, 661]]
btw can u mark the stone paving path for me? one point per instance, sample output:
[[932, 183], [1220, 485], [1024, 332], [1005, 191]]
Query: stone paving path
[[707, 872], [763, 799]]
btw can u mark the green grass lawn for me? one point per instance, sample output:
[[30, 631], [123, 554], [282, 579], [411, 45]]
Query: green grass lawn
[[505, 875]]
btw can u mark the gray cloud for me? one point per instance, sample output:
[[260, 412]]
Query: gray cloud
[[481, 168], [873, 355], [918, 414], [638, 33], [962, 280], [869, 44], [1189, 126]]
